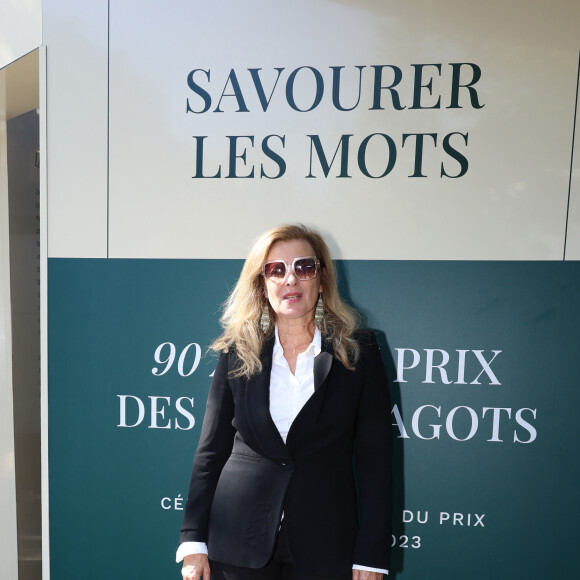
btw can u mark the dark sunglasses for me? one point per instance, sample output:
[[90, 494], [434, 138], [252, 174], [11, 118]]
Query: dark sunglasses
[[304, 268]]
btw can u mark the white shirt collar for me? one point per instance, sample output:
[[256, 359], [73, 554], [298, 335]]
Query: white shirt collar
[[314, 347]]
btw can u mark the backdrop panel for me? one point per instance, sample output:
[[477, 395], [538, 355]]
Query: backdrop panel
[[76, 37], [403, 131], [482, 359], [440, 131]]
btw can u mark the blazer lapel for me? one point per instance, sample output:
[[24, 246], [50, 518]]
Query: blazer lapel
[[306, 419], [322, 364], [257, 399]]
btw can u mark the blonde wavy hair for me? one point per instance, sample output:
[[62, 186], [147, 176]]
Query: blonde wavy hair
[[244, 306]]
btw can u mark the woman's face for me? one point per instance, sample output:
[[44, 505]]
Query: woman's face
[[291, 298]]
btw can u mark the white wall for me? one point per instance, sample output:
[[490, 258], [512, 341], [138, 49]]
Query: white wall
[[8, 542], [20, 34], [20, 28]]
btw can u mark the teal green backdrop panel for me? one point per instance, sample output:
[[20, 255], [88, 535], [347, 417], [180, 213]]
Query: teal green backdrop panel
[[483, 362]]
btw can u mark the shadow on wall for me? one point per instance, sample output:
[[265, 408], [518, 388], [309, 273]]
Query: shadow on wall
[[397, 556]]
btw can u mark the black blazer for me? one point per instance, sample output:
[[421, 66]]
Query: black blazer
[[244, 476]]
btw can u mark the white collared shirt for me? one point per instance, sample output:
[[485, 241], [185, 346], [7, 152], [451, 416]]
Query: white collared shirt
[[289, 392]]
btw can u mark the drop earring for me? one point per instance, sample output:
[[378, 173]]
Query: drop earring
[[319, 313], [265, 319]]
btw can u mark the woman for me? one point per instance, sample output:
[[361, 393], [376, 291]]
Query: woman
[[298, 388]]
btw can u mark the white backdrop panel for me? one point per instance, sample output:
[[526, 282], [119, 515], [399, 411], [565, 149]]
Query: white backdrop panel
[[510, 204], [75, 35]]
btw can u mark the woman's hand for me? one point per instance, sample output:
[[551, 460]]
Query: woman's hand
[[196, 567], [366, 575]]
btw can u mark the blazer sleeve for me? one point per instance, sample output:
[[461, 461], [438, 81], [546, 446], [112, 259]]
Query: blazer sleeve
[[213, 450], [373, 458]]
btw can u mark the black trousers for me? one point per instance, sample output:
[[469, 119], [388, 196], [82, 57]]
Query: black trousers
[[280, 567]]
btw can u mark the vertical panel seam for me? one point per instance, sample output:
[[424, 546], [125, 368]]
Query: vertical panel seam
[[571, 158]]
